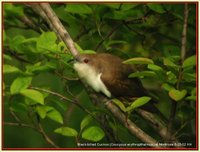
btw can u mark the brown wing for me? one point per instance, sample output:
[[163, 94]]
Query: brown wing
[[116, 78]]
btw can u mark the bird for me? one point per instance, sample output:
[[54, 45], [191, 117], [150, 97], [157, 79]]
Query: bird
[[107, 74]]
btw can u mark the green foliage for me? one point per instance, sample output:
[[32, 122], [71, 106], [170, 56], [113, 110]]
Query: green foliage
[[13, 10], [20, 84], [177, 95], [78, 8], [33, 96], [119, 104], [138, 61], [93, 133], [66, 131], [146, 35], [138, 103], [135, 104], [46, 42], [85, 121], [142, 74], [50, 112], [190, 61], [156, 7]]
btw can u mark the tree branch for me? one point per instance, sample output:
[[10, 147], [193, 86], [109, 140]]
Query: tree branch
[[132, 127], [46, 137], [184, 34], [158, 126], [59, 28], [183, 53]]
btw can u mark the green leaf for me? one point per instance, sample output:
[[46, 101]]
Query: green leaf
[[167, 87], [88, 52], [138, 103], [119, 104], [191, 61], [15, 43], [13, 10], [10, 69], [20, 84], [38, 68], [171, 77], [177, 95], [19, 107], [156, 7], [169, 62], [189, 77], [154, 67], [142, 74], [138, 61], [50, 112], [55, 115], [47, 42], [114, 42], [41, 110], [85, 121], [78, 9], [66, 131], [33, 95], [93, 133], [191, 98]]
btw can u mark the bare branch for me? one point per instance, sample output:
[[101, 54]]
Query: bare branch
[[184, 34]]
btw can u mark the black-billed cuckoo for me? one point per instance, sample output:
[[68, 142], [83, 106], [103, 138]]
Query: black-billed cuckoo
[[107, 74]]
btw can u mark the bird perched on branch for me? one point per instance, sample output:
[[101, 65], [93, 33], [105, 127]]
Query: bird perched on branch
[[107, 74]]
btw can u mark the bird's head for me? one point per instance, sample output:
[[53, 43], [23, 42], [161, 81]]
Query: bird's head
[[89, 68], [84, 63]]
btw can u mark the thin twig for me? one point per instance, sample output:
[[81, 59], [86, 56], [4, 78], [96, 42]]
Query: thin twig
[[67, 99], [107, 36], [135, 21], [46, 137], [28, 22], [19, 124], [65, 78]]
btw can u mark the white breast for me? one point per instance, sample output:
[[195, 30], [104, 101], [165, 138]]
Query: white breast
[[92, 78]]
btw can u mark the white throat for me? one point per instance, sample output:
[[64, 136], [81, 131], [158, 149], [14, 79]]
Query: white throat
[[92, 78]]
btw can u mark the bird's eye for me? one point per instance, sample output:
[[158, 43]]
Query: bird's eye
[[86, 60]]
